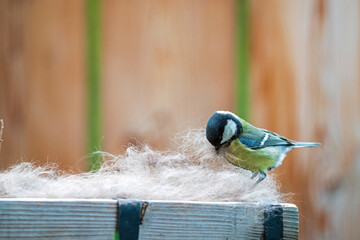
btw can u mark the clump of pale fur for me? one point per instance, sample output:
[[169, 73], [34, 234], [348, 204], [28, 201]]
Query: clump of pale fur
[[193, 172]]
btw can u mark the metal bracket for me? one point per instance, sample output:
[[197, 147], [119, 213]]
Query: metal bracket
[[273, 225], [130, 216]]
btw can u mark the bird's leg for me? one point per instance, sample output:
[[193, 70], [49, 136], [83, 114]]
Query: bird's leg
[[262, 176], [254, 174]]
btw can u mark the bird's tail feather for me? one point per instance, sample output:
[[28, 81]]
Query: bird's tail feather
[[306, 144]]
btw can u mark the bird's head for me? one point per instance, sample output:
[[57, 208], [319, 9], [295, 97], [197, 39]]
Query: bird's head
[[222, 128]]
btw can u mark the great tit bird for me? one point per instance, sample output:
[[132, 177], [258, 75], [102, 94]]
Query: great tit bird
[[249, 147]]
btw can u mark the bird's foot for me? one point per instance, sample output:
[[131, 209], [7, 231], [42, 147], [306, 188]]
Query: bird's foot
[[262, 176]]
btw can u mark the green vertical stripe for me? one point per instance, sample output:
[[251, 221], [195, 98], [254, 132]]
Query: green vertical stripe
[[242, 93], [93, 82], [116, 236]]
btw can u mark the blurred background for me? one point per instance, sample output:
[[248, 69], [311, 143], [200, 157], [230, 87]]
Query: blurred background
[[77, 76]]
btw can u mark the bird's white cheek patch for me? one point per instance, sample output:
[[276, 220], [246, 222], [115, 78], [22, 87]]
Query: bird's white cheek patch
[[229, 131]]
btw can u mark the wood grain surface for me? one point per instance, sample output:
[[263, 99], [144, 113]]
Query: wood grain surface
[[57, 219], [305, 78], [168, 65], [96, 219], [191, 220], [42, 84]]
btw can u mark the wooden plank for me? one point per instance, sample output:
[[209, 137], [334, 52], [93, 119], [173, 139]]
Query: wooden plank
[[305, 75], [42, 96], [291, 221], [12, 79], [59, 219], [96, 219], [189, 220], [167, 66]]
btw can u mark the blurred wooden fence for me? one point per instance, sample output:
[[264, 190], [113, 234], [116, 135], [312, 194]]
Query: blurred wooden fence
[[305, 61], [42, 81], [167, 65]]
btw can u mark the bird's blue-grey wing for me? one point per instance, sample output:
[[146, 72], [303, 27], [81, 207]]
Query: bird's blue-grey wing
[[261, 138]]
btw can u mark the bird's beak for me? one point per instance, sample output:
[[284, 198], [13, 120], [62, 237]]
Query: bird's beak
[[217, 149]]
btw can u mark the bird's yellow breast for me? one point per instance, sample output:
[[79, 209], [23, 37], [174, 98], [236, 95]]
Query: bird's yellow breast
[[251, 159]]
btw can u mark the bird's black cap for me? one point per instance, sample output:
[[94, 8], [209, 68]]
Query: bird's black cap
[[215, 127]]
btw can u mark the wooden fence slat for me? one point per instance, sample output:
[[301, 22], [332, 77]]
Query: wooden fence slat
[[42, 95], [291, 221], [177, 220], [76, 219], [97, 219]]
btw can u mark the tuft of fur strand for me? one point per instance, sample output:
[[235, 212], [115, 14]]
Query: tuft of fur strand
[[194, 172]]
